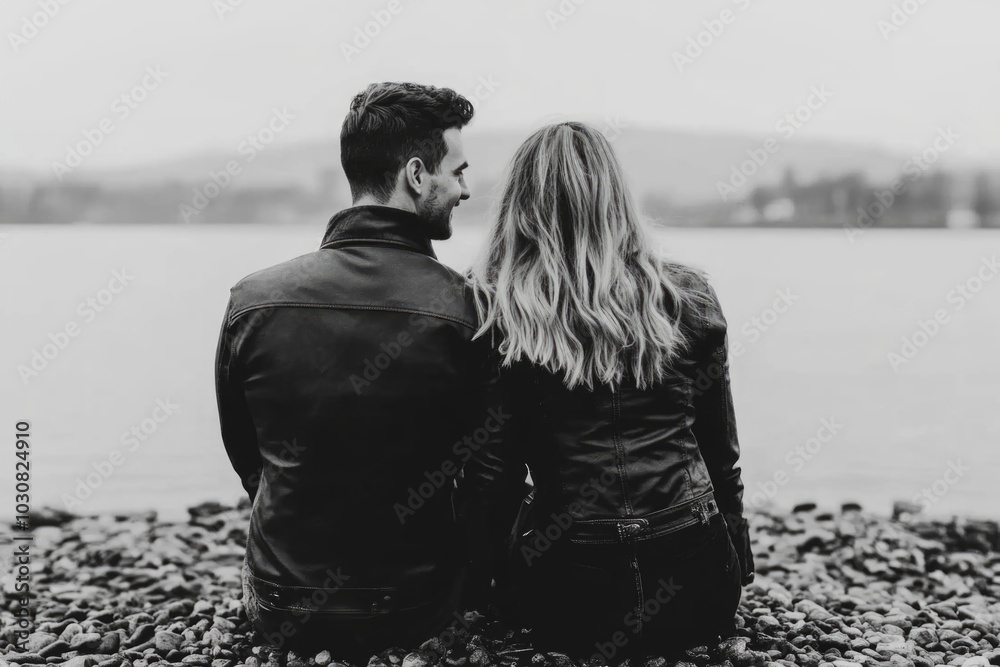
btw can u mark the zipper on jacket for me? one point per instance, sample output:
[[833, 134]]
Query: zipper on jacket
[[701, 511], [638, 593]]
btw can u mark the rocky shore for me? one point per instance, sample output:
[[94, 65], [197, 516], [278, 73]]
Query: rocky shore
[[840, 588]]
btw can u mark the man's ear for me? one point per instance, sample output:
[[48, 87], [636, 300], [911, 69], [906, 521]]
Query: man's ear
[[415, 175]]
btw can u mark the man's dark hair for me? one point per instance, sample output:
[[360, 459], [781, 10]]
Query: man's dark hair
[[388, 124]]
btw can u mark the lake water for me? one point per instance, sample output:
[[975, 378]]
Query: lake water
[[822, 413]]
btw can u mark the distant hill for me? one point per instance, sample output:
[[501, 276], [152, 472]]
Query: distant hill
[[675, 177], [681, 166]]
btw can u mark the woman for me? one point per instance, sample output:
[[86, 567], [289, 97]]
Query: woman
[[613, 365]]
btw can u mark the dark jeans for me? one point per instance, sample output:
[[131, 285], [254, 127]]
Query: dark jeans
[[614, 601], [348, 638]]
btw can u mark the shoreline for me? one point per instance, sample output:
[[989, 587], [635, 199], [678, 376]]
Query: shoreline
[[180, 512], [842, 588]]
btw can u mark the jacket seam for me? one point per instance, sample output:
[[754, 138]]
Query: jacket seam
[[620, 450], [689, 398], [297, 304]]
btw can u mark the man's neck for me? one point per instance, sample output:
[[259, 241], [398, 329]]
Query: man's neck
[[396, 201]]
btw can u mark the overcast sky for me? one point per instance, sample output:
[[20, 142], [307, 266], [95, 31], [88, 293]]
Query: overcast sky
[[225, 71]]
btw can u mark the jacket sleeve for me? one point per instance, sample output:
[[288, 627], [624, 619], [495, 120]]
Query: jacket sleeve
[[715, 430], [490, 491], [239, 435]]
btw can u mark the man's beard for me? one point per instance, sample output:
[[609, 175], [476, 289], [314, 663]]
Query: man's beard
[[437, 217]]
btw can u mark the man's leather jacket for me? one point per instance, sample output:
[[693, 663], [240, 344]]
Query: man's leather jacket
[[348, 389], [620, 464]]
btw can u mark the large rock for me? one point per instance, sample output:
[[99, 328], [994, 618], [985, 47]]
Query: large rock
[[167, 641], [85, 641], [38, 640], [813, 611]]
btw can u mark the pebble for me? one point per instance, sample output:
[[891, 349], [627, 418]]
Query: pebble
[[767, 622], [167, 641], [39, 640], [416, 660], [85, 640], [80, 661], [203, 607], [846, 589]]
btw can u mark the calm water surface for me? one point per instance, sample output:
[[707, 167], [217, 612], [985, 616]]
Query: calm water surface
[[822, 413]]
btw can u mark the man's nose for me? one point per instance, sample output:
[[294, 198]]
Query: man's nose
[[465, 193]]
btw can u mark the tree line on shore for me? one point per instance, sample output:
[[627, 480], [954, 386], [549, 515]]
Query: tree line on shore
[[937, 199]]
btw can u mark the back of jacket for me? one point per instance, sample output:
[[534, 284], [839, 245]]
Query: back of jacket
[[347, 381], [653, 445], [620, 463]]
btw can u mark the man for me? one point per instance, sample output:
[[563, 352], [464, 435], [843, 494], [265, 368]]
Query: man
[[348, 384]]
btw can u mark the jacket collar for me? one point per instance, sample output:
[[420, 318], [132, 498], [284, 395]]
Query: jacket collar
[[377, 225]]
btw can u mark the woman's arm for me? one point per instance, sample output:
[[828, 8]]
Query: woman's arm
[[715, 430], [489, 494]]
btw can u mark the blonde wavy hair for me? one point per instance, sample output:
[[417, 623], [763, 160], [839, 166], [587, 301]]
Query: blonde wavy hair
[[568, 279]]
